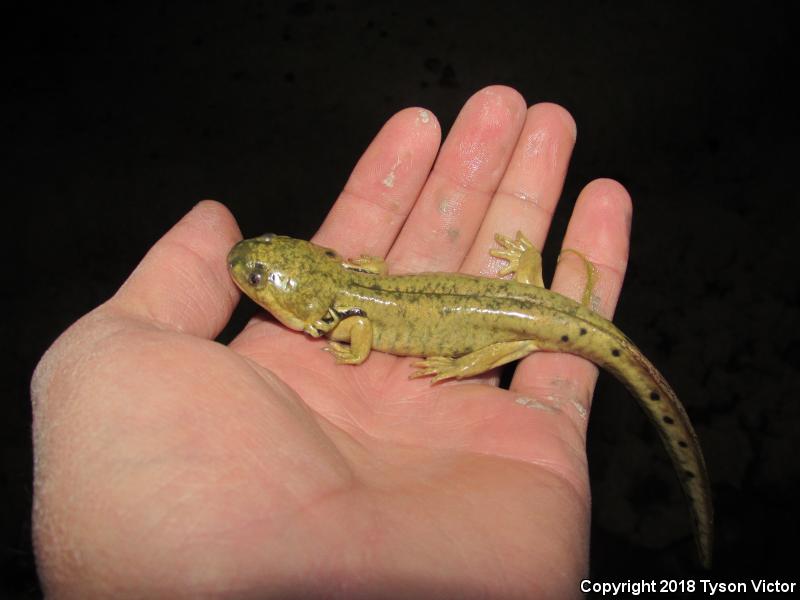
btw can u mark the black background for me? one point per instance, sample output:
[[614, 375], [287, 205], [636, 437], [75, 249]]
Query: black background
[[121, 117]]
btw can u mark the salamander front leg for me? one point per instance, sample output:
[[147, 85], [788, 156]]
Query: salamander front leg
[[524, 261], [367, 264], [357, 331], [474, 363]]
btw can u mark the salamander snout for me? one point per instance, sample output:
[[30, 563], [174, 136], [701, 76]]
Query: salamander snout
[[244, 249], [236, 255]]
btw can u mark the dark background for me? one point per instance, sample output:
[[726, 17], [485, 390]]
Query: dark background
[[121, 117]]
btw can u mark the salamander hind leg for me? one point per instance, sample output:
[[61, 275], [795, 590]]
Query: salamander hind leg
[[474, 363], [524, 261], [591, 275]]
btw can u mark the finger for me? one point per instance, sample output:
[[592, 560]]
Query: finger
[[183, 283], [600, 230], [383, 187], [443, 223], [529, 191]]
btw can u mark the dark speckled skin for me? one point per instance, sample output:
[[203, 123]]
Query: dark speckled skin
[[309, 288]]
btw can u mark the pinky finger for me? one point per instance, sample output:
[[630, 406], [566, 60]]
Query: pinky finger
[[599, 229]]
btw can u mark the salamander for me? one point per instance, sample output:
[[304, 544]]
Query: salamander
[[462, 326]]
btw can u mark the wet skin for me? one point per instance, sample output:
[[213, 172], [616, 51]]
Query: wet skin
[[464, 326]]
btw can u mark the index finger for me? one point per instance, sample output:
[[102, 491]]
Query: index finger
[[384, 185]]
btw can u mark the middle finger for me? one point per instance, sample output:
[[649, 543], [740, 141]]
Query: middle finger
[[443, 223], [530, 189]]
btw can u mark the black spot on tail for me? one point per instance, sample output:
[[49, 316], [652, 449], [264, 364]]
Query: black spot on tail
[[615, 352], [689, 474], [683, 444], [668, 420], [583, 331], [564, 338], [654, 396]]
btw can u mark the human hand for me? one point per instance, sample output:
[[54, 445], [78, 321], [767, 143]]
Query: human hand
[[170, 465]]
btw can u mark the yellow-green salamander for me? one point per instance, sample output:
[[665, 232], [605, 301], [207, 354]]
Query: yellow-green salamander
[[462, 325]]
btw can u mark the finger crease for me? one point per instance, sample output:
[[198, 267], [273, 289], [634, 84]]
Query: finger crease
[[400, 209]]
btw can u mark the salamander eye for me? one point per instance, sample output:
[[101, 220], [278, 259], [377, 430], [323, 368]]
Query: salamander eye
[[254, 278]]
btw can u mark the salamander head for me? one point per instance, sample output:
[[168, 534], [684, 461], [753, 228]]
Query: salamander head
[[293, 279]]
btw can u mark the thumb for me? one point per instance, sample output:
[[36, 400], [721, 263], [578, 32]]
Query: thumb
[[183, 283]]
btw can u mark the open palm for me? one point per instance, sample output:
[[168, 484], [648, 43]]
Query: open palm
[[168, 464]]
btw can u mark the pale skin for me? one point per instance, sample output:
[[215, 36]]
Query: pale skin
[[170, 465]]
